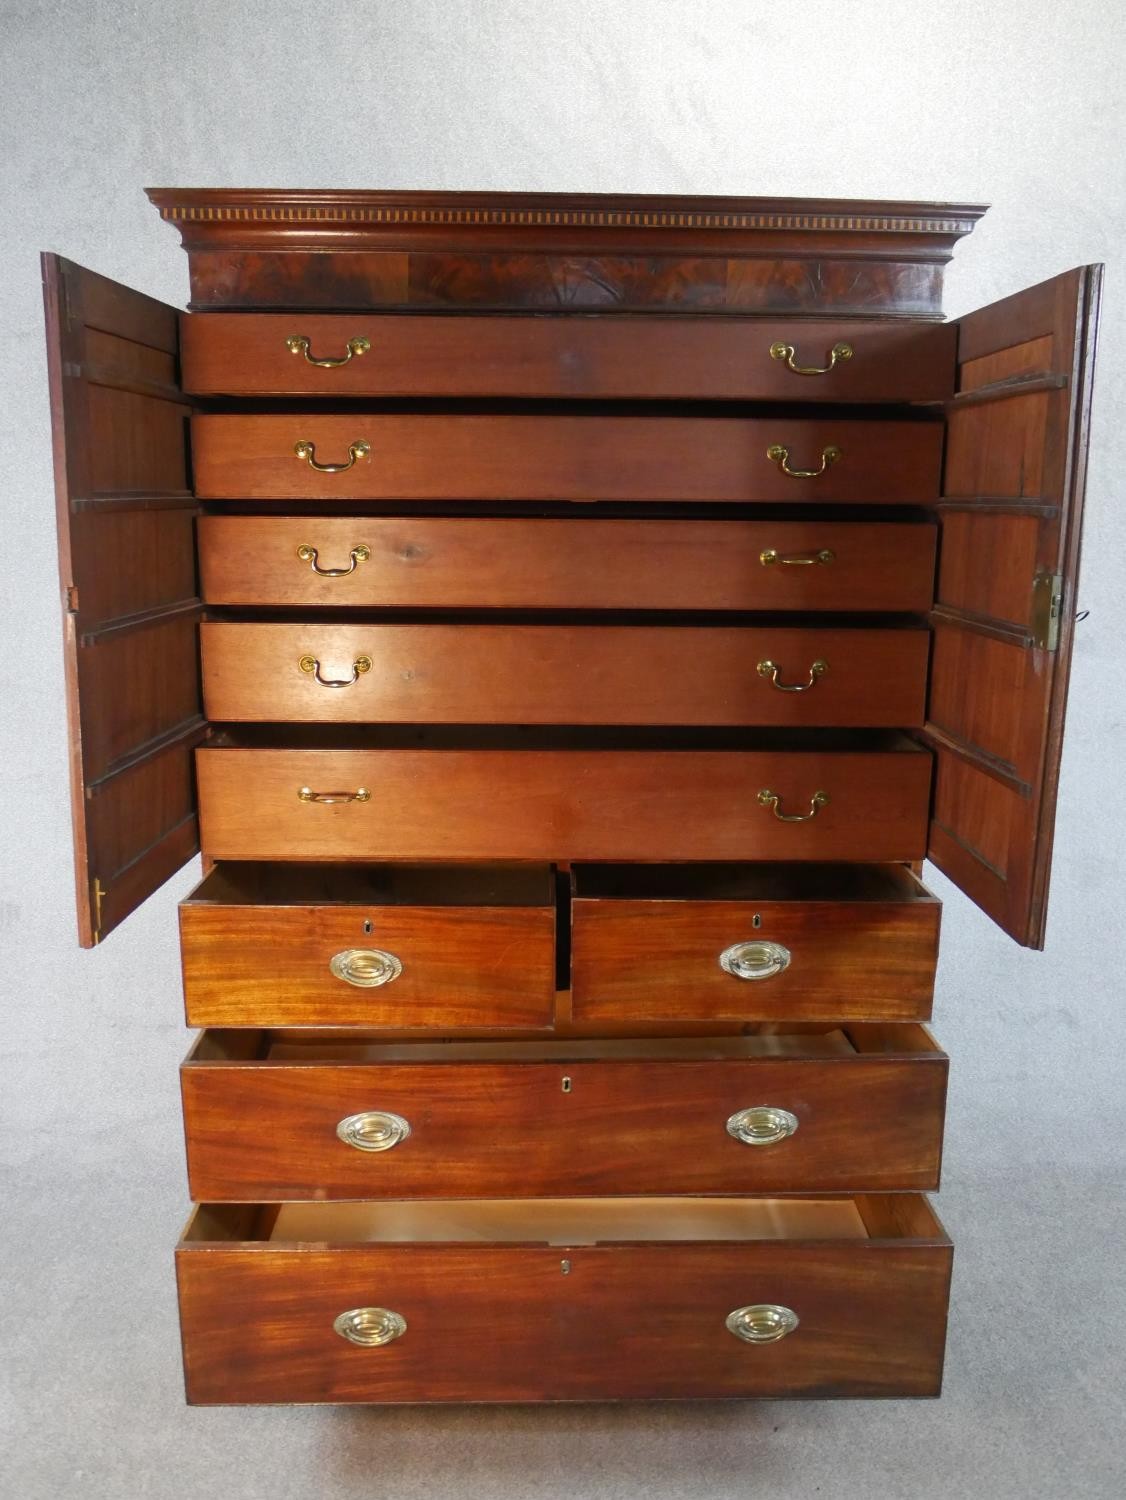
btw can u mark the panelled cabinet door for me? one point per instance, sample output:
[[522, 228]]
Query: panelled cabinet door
[[1005, 598], [127, 567]]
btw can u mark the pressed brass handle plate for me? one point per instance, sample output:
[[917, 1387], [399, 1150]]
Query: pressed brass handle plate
[[366, 968], [370, 1326], [373, 1130], [796, 559], [772, 670], [837, 354], [312, 666], [308, 451], [359, 553], [779, 455], [757, 959], [762, 1125], [762, 1323], [773, 800], [307, 794], [297, 343]]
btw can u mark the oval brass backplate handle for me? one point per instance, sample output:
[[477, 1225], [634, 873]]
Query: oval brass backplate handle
[[796, 559], [772, 670], [308, 451], [373, 1130], [362, 664], [772, 800], [837, 354], [297, 343], [781, 456], [762, 1323], [359, 553], [366, 968], [307, 794], [757, 959], [762, 1125], [371, 1326]]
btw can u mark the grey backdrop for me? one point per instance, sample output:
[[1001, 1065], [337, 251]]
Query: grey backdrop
[[1020, 103]]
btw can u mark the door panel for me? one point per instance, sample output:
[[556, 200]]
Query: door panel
[[1010, 522], [127, 568]]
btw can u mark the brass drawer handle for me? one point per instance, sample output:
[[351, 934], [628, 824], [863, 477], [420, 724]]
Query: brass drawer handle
[[796, 559], [366, 968], [839, 352], [772, 800], [308, 451], [781, 456], [297, 343], [359, 553], [754, 960], [762, 1125], [370, 1326], [362, 664], [772, 670], [762, 1323], [374, 1130], [307, 794]]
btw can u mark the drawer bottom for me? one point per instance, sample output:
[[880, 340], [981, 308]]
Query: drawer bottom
[[564, 1300]]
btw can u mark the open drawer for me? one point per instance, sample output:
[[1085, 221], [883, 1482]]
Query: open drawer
[[565, 1299], [284, 1115], [752, 941], [391, 945]]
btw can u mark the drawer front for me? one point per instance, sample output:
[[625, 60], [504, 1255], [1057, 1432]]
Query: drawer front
[[525, 457], [319, 354], [564, 674], [269, 1130], [562, 804], [272, 966], [605, 1322], [518, 563], [658, 960]]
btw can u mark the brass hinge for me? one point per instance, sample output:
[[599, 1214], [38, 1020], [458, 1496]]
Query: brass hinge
[[1047, 607], [99, 896], [72, 600]]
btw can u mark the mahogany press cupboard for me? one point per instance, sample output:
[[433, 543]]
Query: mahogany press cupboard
[[565, 624]]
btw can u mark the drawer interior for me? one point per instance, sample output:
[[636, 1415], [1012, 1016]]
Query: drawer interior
[[772, 1039], [569, 1221], [233, 883], [748, 882]]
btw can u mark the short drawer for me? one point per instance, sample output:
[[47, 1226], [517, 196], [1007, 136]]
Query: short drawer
[[280, 1116], [720, 942], [564, 674], [500, 457], [385, 946], [481, 562], [549, 803], [563, 1300], [327, 354]]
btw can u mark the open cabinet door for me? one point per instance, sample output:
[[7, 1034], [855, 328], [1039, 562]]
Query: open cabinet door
[[1010, 518], [127, 566]]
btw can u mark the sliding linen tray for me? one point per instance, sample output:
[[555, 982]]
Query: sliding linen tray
[[404, 793]]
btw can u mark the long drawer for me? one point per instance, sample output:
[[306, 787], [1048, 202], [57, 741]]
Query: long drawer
[[557, 1300], [779, 942], [498, 457], [579, 804], [564, 674], [427, 562], [326, 354], [424, 948], [279, 1116]]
